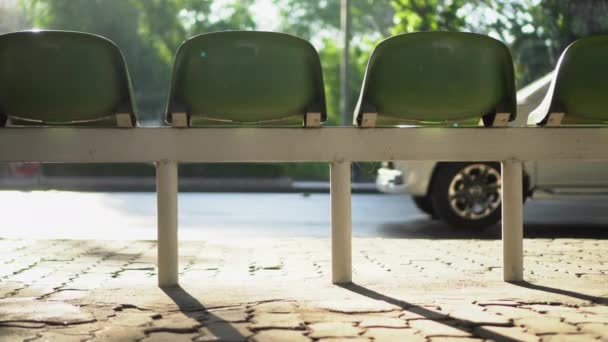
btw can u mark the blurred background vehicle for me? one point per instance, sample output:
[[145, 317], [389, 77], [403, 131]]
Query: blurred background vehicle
[[467, 195]]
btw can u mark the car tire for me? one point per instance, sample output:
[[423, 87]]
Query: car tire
[[424, 204], [467, 195]]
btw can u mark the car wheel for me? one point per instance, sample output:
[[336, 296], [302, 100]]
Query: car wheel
[[424, 204], [467, 195]]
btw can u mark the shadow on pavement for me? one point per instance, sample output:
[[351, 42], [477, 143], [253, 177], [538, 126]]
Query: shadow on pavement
[[192, 308], [432, 229], [460, 324], [582, 296]]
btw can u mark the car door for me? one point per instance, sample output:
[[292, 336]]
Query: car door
[[572, 174]]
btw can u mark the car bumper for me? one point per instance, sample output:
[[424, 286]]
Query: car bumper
[[390, 180], [412, 177]]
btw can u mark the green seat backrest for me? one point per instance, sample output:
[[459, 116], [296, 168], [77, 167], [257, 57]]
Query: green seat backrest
[[244, 77], [63, 78], [580, 86], [430, 78]]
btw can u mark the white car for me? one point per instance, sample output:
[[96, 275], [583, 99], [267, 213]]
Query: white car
[[467, 194]]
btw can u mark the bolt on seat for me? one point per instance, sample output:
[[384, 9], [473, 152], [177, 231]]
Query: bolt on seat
[[438, 78], [578, 92], [63, 78], [237, 78]]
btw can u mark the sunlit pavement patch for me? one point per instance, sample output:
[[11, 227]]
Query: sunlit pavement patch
[[277, 289]]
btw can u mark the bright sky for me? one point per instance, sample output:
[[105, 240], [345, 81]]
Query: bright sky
[[266, 15]]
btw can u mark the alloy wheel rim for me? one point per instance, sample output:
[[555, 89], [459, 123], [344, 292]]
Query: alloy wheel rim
[[474, 192]]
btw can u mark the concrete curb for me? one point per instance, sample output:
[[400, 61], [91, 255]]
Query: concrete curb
[[136, 184]]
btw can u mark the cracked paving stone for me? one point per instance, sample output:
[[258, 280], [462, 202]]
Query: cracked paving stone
[[455, 339], [545, 325], [16, 334], [577, 317], [420, 312], [274, 321], [314, 316], [504, 333], [382, 322], [358, 306], [346, 339], [477, 316], [511, 312], [227, 315], [570, 314], [32, 274], [598, 310], [595, 328], [30, 325], [442, 328], [68, 295], [333, 329], [569, 338], [35, 291], [276, 307], [177, 322], [52, 336], [166, 336], [277, 335], [9, 287], [499, 302], [103, 313], [118, 333], [389, 334], [224, 331], [79, 329], [32, 310], [90, 281], [132, 318], [543, 308]]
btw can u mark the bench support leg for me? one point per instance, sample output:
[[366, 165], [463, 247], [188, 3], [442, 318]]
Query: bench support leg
[[166, 192], [512, 220], [341, 236]]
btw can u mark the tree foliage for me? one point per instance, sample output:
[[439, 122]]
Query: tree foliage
[[538, 31], [309, 18], [428, 15], [319, 21], [147, 31]]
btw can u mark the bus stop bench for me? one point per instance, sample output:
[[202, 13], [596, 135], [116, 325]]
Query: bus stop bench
[[258, 97]]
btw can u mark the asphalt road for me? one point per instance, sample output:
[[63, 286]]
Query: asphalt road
[[74, 215]]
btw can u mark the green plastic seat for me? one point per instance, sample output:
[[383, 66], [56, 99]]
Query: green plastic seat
[[578, 94], [237, 78], [438, 78], [61, 78]]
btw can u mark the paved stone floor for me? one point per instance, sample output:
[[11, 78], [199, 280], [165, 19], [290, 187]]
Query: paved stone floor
[[279, 290]]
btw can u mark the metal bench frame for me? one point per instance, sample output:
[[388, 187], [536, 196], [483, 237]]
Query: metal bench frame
[[336, 145]]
